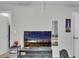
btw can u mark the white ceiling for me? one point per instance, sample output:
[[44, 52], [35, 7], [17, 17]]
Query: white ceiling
[[65, 3]]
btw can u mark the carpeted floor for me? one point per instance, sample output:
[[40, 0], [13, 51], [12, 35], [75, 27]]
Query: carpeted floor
[[5, 55]]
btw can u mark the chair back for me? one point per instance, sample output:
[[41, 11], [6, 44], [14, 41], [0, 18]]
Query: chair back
[[64, 54]]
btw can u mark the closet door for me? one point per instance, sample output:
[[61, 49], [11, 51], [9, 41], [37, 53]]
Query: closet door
[[3, 33], [76, 34]]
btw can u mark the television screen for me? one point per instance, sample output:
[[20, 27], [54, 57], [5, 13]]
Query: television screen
[[37, 38]]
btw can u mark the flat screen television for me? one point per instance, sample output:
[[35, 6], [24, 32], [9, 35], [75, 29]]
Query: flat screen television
[[37, 38]]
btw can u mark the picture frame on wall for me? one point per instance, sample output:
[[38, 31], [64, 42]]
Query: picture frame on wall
[[68, 25], [55, 33]]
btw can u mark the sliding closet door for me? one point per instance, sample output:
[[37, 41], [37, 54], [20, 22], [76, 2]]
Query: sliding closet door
[[3, 33], [76, 34]]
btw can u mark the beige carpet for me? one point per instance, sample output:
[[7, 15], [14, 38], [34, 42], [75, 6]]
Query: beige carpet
[[5, 55]]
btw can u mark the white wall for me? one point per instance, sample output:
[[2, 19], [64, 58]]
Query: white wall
[[35, 18], [3, 34]]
